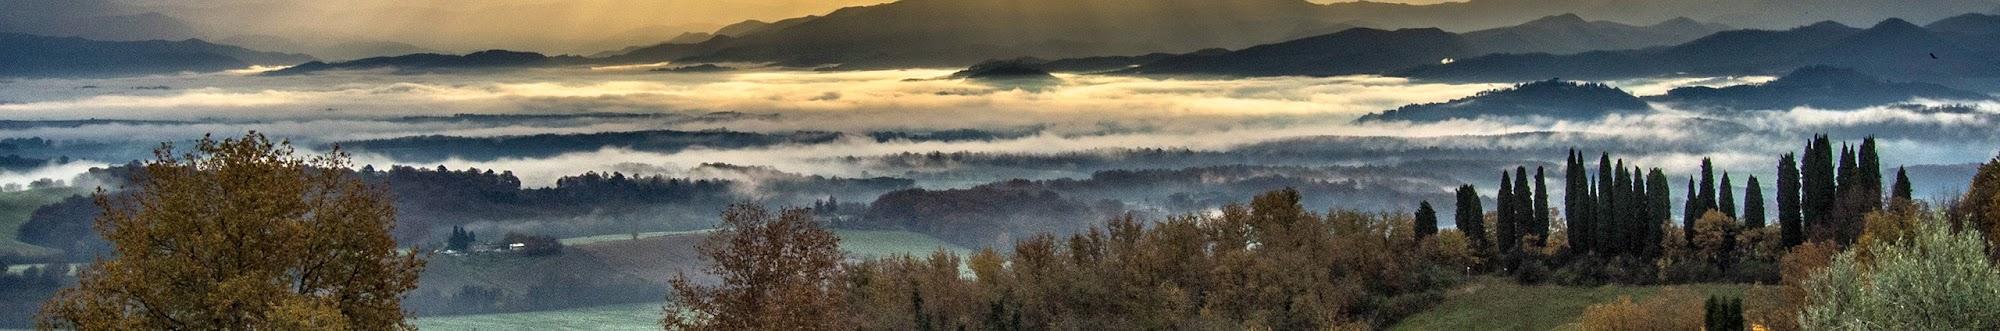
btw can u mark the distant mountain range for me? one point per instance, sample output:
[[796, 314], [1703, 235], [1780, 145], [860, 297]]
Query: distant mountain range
[[426, 63], [42, 56], [1893, 48], [1372, 51], [1819, 86], [958, 32]]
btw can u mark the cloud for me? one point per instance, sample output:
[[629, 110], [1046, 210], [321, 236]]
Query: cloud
[[1083, 113]]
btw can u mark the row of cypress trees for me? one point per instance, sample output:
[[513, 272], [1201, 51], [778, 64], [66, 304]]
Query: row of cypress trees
[[1618, 212]]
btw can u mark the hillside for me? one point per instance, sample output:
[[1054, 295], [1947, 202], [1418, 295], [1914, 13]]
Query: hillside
[[1569, 33], [41, 56], [15, 208], [1893, 49], [429, 62], [1818, 87], [1546, 99], [1354, 51], [959, 32]]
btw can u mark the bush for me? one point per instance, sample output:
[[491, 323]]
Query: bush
[[1935, 280], [1673, 308], [1724, 314]]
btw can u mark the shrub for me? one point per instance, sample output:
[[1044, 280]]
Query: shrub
[[1934, 280], [1673, 308]]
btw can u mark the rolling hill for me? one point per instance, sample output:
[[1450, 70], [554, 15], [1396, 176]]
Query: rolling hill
[[42, 56]]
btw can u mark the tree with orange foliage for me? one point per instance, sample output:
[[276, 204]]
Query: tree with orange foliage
[[240, 234], [778, 272]]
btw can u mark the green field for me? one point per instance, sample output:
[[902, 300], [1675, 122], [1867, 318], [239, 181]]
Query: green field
[[1500, 304], [637, 316], [16, 207]]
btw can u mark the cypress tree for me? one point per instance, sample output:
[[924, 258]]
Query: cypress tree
[[1660, 198], [1902, 191], [1848, 193], [1817, 182], [1427, 221], [1606, 208], [1636, 218], [1617, 226], [1870, 165], [1541, 204], [1470, 219], [1505, 239], [1728, 198], [1707, 188], [1789, 222], [1753, 204], [1690, 213], [1524, 203], [1576, 203]]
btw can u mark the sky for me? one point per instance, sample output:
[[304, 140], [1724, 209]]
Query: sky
[[551, 26]]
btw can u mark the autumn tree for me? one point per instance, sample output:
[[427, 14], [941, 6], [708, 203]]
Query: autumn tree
[[777, 272], [243, 234]]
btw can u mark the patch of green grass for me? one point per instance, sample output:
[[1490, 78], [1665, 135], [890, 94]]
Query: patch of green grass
[[1500, 304], [868, 244], [16, 207], [636, 316]]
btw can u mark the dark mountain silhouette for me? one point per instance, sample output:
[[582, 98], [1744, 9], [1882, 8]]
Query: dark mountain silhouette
[[1018, 69], [956, 32], [1354, 51], [41, 56], [1547, 99], [427, 62], [1893, 48], [754, 26], [1819, 87], [699, 68], [1569, 33], [1361, 51], [1970, 24], [106, 20]]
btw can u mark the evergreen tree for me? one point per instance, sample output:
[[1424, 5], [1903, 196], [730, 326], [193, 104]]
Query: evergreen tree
[[1691, 212], [1753, 204], [1505, 237], [1577, 200], [1605, 220], [1817, 182], [1524, 204], [1540, 227], [1902, 191], [1619, 229], [1847, 204], [1707, 188], [1726, 192], [1870, 165], [1659, 198], [1469, 219], [1789, 223], [1427, 221]]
